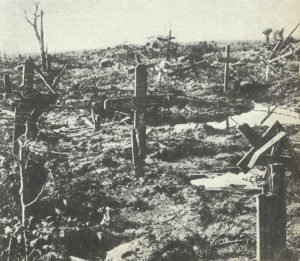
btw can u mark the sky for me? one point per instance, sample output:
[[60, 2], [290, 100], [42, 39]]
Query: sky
[[92, 24]]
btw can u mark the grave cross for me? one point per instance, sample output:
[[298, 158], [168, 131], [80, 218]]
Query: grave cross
[[226, 60], [274, 139], [138, 104], [192, 66], [271, 206]]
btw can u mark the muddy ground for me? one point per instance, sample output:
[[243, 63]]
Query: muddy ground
[[93, 207]]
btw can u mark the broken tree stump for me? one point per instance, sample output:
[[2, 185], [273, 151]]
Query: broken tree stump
[[28, 74]]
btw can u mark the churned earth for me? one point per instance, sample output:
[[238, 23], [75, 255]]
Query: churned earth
[[193, 202]]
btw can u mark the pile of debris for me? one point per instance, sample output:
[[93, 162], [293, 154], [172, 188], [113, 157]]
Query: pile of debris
[[280, 48]]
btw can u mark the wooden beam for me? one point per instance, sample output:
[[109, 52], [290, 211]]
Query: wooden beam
[[265, 147]]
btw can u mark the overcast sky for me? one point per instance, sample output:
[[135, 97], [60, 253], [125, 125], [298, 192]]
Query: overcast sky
[[85, 24]]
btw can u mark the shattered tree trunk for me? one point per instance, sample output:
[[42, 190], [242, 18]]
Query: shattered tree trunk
[[42, 44], [139, 128]]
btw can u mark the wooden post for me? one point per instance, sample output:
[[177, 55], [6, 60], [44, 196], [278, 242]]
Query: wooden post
[[267, 73], [28, 73], [227, 123], [169, 46], [49, 63], [271, 217], [226, 71], [7, 84], [139, 132]]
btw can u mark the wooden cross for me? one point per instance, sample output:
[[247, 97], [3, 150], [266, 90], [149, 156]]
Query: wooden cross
[[227, 60], [169, 50], [274, 139], [271, 216], [149, 65], [27, 110], [271, 206], [193, 66], [138, 104]]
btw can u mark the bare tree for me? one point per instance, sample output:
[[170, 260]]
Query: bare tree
[[39, 32]]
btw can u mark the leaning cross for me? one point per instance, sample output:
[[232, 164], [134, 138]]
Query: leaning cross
[[138, 104], [227, 60], [271, 205], [273, 139]]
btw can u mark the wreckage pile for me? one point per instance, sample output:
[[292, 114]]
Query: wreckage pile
[[104, 152]]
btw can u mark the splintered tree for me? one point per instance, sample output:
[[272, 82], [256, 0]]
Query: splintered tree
[[39, 32]]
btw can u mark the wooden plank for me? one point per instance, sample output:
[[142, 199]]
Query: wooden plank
[[253, 137], [265, 147], [131, 102], [132, 70], [243, 163], [227, 60]]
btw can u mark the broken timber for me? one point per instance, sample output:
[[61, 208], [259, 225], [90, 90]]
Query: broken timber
[[273, 140], [271, 205]]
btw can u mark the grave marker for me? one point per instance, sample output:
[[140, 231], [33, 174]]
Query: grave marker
[[271, 206], [193, 65], [139, 127], [226, 60], [138, 104]]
